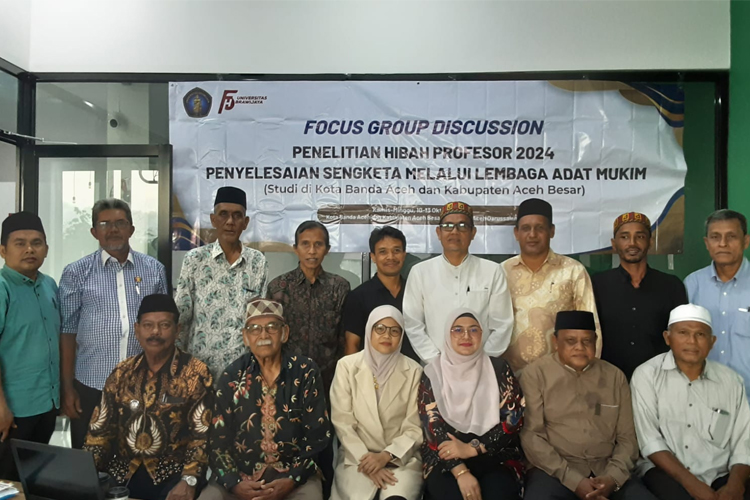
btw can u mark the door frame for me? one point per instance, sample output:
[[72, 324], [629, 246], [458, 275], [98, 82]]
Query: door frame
[[161, 154]]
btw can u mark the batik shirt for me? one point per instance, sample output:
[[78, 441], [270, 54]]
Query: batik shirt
[[269, 433], [313, 312], [561, 284], [159, 421], [502, 442], [212, 296]]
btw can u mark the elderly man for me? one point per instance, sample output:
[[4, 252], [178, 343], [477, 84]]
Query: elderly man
[[578, 431], [151, 427], [216, 283], [692, 416], [99, 299], [541, 283], [452, 280], [271, 420], [723, 287], [634, 300], [29, 339]]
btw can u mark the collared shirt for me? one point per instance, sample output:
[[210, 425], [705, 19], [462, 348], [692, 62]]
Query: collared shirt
[[561, 284], [362, 300], [159, 421], [212, 296], [705, 423], [269, 433], [99, 301], [502, 441], [29, 343], [578, 423], [633, 319], [313, 313], [730, 325], [436, 287]]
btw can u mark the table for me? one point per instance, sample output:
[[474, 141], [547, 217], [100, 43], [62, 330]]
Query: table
[[21, 496]]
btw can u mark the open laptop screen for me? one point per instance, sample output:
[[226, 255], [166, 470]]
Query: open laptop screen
[[54, 473]]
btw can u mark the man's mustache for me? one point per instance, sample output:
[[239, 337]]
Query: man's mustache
[[156, 339]]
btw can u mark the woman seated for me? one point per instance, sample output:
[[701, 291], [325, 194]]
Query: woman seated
[[374, 412], [471, 408]]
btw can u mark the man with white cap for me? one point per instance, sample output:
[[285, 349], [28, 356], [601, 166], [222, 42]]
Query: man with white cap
[[691, 416]]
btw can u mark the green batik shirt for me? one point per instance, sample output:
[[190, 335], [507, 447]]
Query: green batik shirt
[[212, 296], [29, 343]]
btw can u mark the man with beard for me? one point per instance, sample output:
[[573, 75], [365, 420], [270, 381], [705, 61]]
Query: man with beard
[[634, 300], [99, 299]]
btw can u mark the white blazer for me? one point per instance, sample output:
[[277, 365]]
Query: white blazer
[[362, 426]]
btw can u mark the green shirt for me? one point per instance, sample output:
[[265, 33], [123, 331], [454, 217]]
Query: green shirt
[[29, 343]]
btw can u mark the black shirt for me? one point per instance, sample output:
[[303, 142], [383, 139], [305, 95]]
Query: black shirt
[[362, 300], [633, 320]]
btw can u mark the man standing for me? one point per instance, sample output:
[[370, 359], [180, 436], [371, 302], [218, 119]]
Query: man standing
[[151, 427], [216, 283], [541, 284], [723, 288], [692, 416], [634, 300], [452, 280], [99, 299], [386, 288], [578, 428], [313, 301], [29, 339]]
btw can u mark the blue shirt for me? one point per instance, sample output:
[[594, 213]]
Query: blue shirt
[[730, 325], [29, 343], [99, 301]]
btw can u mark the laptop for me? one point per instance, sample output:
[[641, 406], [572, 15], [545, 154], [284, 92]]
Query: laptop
[[55, 473]]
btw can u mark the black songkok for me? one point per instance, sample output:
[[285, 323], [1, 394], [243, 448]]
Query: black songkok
[[230, 194], [575, 320], [19, 222], [158, 302], [534, 206]]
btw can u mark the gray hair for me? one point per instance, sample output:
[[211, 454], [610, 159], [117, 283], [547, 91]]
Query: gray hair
[[110, 204], [725, 214]]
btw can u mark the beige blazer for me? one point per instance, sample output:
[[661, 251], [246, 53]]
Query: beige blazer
[[362, 426]]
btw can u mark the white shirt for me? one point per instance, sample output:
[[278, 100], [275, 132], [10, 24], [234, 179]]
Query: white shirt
[[704, 423], [435, 287]]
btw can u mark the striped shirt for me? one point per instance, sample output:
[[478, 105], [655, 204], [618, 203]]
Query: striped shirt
[[99, 301]]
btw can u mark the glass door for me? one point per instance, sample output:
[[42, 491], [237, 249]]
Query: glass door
[[62, 183]]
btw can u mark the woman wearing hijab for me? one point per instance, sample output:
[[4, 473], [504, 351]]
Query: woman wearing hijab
[[471, 408], [374, 411]]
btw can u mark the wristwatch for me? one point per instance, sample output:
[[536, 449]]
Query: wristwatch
[[476, 445], [190, 480]]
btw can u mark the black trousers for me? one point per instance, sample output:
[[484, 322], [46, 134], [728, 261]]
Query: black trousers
[[542, 486], [496, 482], [664, 487], [90, 399], [38, 428], [142, 486]]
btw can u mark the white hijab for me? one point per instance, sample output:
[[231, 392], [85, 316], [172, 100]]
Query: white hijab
[[465, 387], [382, 365]]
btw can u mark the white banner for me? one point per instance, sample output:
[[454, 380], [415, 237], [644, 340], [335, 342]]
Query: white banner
[[356, 155]]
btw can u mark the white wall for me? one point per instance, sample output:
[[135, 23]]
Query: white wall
[[15, 28], [350, 36]]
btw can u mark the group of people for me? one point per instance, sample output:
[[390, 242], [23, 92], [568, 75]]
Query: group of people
[[470, 380]]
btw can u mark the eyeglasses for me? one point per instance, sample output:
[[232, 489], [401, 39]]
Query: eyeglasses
[[272, 328], [460, 331], [392, 331], [450, 226], [118, 224]]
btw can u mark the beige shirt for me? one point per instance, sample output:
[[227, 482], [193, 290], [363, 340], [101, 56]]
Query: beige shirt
[[704, 423], [561, 284], [577, 424]]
